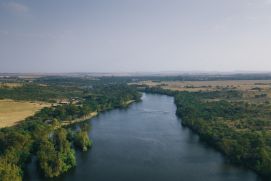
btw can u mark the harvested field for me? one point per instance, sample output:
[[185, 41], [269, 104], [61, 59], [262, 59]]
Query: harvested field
[[254, 91], [211, 85], [12, 112], [10, 85]]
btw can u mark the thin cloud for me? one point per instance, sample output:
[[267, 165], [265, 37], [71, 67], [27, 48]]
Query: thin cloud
[[15, 7]]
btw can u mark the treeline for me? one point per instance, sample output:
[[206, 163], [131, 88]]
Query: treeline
[[42, 134], [240, 130], [97, 92], [98, 99], [86, 79], [36, 92], [83, 80]]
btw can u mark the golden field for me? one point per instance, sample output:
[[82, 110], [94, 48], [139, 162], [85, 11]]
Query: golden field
[[10, 85], [12, 112], [250, 88], [209, 85]]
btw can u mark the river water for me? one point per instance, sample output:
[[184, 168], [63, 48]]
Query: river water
[[146, 142]]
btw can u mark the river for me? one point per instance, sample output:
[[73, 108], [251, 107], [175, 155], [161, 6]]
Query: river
[[146, 142]]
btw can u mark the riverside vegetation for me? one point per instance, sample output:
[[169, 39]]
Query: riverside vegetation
[[234, 121], [239, 129], [43, 134]]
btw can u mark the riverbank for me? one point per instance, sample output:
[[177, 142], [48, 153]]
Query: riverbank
[[238, 130], [91, 115], [127, 103], [78, 120], [136, 144], [42, 135]]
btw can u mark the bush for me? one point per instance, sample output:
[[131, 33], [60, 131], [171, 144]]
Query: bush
[[82, 141]]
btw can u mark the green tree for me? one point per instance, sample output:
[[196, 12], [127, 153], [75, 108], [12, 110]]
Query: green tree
[[82, 140], [9, 171]]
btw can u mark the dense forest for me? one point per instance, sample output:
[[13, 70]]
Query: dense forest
[[238, 129], [43, 134]]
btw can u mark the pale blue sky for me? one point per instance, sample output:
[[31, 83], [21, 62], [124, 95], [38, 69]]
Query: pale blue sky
[[135, 35]]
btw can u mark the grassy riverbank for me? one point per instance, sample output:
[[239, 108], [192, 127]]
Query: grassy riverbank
[[81, 119]]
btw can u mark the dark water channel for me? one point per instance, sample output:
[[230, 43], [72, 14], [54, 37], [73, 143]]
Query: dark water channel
[[146, 142]]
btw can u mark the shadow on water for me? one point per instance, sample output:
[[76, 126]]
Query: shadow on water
[[147, 142]]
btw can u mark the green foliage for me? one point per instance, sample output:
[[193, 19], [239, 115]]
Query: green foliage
[[36, 92], [55, 155], [9, 171], [82, 141], [240, 130], [42, 134], [48, 159], [15, 147]]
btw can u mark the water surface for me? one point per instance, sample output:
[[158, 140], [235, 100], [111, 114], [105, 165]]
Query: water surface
[[146, 142]]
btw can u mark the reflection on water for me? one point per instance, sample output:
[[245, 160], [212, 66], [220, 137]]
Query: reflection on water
[[153, 111], [146, 142]]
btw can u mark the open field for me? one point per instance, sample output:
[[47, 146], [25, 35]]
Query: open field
[[12, 112], [10, 85], [256, 91], [210, 85]]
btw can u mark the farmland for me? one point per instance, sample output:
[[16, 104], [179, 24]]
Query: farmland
[[12, 112], [256, 91], [209, 85]]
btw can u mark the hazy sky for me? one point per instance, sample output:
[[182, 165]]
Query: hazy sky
[[135, 35]]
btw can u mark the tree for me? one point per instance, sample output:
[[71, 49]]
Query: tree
[[82, 140], [9, 171]]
